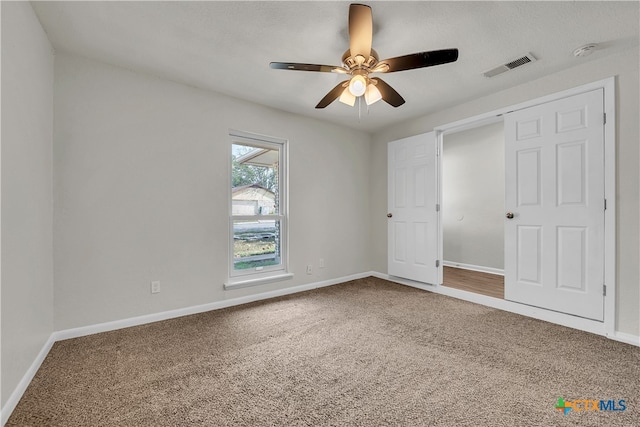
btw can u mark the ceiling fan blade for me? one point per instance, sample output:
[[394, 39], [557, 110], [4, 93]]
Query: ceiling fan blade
[[360, 30], [332, 95], [389, 94], [417, 60], [306, 67]]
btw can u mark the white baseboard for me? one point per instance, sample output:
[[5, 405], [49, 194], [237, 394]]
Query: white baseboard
[[549, 316], [472, 267], [626, 338], [567, 320], [403, 281], [15, 397], [171, 314], [17, 393]]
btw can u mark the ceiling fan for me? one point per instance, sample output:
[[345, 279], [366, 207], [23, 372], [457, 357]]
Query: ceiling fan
[[360, 60]]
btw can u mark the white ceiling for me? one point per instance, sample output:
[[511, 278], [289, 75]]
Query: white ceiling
[[227, 46]]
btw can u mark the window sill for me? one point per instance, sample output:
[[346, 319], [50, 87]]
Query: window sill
[[238, 283]]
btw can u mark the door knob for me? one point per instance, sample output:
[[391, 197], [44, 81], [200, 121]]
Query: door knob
[[509, 215], [389, 215]]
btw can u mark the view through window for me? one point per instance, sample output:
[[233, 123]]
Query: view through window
[[256, 198]]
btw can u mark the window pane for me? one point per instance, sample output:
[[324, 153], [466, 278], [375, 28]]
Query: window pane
[[258, 205], [254, 177], [256, 243]]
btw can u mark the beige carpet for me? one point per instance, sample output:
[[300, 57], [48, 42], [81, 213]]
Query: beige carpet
[[363, 353]]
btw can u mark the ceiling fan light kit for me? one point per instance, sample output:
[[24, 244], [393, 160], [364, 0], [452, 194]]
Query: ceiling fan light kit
[[347, 98], [360, 60], [372, 95], [357, 85]]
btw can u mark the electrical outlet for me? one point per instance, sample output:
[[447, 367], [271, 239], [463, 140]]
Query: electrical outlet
[[155, 287], [309, 269], [321, 263]]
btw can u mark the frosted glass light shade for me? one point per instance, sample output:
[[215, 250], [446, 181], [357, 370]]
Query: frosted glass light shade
[[347, 98], [357, 85], [372, 95]]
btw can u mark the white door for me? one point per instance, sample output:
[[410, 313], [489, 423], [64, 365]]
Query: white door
[[554, 242], [412, 216]]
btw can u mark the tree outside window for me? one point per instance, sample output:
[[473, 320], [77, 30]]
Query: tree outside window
[[256, 215]]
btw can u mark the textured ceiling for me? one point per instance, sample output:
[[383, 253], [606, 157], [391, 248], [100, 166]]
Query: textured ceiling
[[227, 46]]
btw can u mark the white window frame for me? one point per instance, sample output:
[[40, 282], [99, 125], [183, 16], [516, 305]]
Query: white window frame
[[266, 274]]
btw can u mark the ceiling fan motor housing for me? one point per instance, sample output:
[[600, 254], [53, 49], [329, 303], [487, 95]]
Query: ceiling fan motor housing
[[351, 62]]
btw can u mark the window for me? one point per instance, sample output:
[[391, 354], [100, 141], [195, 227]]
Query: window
[[258, 210]]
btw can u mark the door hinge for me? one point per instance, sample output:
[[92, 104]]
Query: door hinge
[[437, 151], [604, 290], [604, 121], [605, 204], [437, 207], [437, 263]]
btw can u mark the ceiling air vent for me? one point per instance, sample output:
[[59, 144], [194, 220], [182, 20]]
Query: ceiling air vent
[[510, 65]]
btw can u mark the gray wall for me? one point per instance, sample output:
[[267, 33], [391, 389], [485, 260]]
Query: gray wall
[[473, 196], [141, 185], [27, 120], [625, 67]]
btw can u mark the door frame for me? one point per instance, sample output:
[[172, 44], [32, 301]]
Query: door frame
[[607, 327]]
